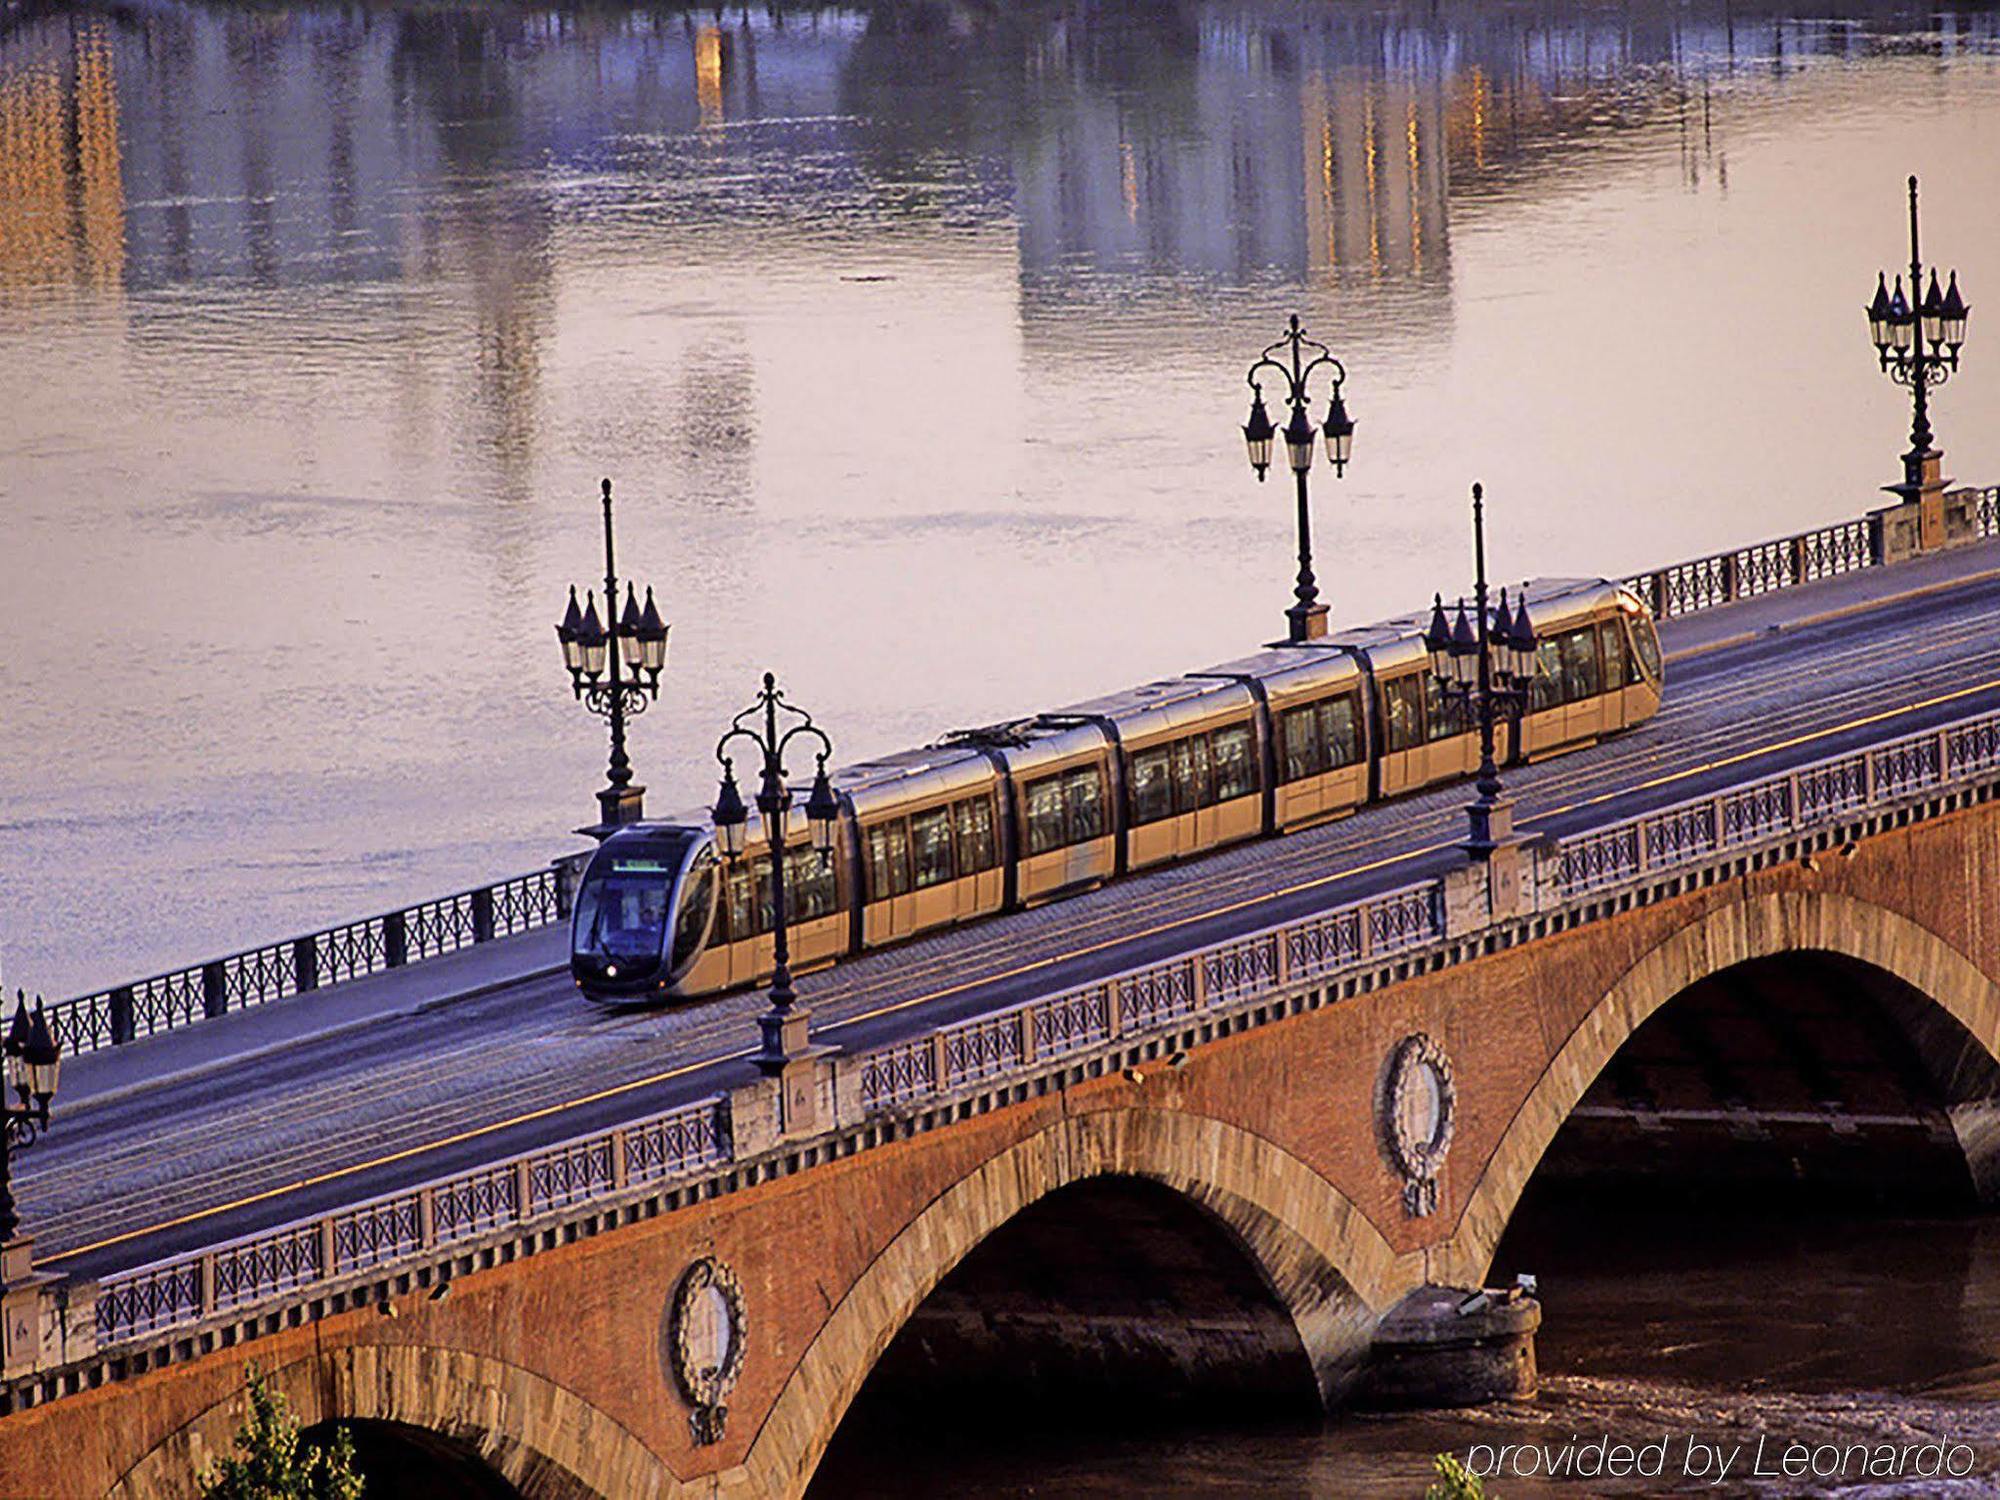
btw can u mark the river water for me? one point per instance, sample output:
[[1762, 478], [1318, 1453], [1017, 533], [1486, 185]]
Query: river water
[[914, 337], [1675, 1325]]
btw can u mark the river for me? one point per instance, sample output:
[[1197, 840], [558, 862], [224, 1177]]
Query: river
[[1672, 1324]]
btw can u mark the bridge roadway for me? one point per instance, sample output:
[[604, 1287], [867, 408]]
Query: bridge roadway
[[141, 1166]]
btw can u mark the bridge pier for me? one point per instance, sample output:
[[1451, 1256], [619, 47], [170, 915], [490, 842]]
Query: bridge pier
[[1449, 1346]]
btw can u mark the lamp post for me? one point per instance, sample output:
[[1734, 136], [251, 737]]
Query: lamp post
[[784, 1028], [1307, 616], [32, 1063], [1484, 665], [598, 655], [1916, 344]]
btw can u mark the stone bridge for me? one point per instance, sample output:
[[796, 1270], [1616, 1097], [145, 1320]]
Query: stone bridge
[[1233, 1161]]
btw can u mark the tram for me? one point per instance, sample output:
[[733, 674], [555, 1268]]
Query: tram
[[1013, 815]]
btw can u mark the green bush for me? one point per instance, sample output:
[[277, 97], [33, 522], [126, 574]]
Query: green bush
[[1456, 1482], [272, 1462]]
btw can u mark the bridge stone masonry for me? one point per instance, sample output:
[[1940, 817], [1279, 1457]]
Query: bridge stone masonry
[[1218, 1171]]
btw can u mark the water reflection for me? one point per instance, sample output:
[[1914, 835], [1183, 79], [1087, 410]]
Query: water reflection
[[60, 174], [301, 144], [321, 321]]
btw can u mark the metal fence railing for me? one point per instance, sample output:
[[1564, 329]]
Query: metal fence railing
[[1763, 567], [300, 965], [231, 1276]]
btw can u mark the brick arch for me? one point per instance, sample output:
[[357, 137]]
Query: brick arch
[[1330, 1269], [1766, 926], [544, 1440]]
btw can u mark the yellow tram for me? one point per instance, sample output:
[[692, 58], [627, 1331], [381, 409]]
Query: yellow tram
[[1008, 816]]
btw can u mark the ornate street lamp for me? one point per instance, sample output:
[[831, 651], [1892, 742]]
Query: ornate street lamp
[[599, 655], [1485, 666], [33, 1062], [1916, 344], [1307, 616], [784, 1029]]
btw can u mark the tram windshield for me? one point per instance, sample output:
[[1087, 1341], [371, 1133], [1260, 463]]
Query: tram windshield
[[622, 908]]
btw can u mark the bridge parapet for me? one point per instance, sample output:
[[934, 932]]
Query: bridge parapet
[[300, 965], [1141, 1018], [1764, 567]]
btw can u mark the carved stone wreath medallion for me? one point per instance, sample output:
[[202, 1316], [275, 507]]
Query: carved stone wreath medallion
[[707, 1335], [1417, 1118]]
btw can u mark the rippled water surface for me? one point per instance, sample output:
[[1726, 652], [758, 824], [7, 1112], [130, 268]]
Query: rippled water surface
[[1677, 1324]]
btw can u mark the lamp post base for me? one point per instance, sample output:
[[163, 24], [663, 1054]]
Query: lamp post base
[[794, 1064], [1305, 622], [1492, 842], [1917, 523], [617, 806], [25, 1345], [786, 1038]]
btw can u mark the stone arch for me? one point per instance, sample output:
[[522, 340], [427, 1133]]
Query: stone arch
[[1329, 1268], [1764, 926], [544, 1440]]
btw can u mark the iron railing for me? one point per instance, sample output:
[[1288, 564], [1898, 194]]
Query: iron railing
[[1763, 567], [206, 1283], [1775, 807], [1154, 998], [300, 965], [1986, 511]]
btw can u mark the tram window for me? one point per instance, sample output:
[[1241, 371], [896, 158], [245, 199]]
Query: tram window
[[1340, 731], [809, 885], [1546, 690], [1235, 772], [973, 819], [1320, 737], [1647, 640], [1152, 786], [1580, 676], [888, 860], [737, 906], [1193, 785], [1405, 698], [1304, 753], [1618, 668], [930, 841], [1443, 719], [1046, 828], [762, 912], [1083, 791], [1065, 809], [696, 895]]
